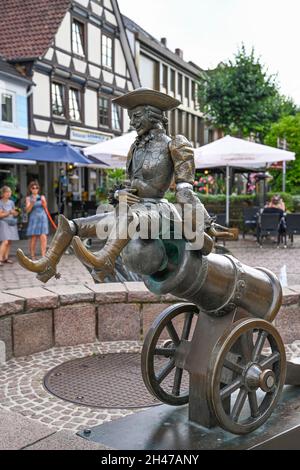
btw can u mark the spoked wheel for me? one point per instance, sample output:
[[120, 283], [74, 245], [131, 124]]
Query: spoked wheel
[[165, 348], [248, 372]]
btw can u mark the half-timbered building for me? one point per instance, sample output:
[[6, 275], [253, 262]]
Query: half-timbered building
[[78, 56]]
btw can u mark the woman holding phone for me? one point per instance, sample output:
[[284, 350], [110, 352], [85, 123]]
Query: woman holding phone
[[38, 226]]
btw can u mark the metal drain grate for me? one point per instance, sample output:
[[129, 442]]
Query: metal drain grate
[[104, 381]]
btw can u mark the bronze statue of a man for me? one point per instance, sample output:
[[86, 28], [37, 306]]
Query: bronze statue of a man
[[153, 161]]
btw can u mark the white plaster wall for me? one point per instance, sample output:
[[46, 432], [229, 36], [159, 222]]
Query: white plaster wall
[[84, 3], [49, 54], [63, 36], [148, 69], [91, 108], [108, 77], [95, 71], [97, 9], [60, 129], [63, 59], [120, 62], [107, 4], [41, 94], [94, 44], [131, 39], [111, 18], [121, 82], [79, 65], [41, 126]]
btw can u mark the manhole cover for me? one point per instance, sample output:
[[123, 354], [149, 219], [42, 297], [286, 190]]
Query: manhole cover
[[103, 381]]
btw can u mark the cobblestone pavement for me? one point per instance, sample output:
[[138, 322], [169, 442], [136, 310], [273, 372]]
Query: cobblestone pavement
[[14, 276], [22, 390], [247, 251]]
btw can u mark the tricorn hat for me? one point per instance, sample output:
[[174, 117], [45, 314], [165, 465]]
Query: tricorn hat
[[146, 96]]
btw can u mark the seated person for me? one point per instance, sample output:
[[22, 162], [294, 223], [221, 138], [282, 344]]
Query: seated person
[[276, 203], [277, 206]]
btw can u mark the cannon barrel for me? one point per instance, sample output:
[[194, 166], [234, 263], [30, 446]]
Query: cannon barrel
[[217, 284]]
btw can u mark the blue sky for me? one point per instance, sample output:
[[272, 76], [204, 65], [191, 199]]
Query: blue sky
[[210, 31]]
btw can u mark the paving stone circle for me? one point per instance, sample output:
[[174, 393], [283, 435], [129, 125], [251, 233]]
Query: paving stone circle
[[22, 389]]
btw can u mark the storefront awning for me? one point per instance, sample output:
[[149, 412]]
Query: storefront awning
[[4, 148], [24, 144], [59, 152]]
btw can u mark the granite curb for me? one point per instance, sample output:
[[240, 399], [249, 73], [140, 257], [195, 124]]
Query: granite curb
[[69, 315]]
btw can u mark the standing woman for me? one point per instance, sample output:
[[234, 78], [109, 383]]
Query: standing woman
[[8, 224], [38, 226]]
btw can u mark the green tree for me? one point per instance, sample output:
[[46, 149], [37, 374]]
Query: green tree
[[241, 98], [287, 128]]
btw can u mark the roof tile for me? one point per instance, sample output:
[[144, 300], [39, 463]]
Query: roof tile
[[27, 27]]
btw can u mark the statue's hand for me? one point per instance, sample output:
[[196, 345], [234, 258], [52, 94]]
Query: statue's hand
[[218, 231], [127, 196]]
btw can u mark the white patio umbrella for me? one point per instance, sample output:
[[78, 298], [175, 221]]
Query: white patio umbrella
[[232, 152], [112, 152], [16, 161]]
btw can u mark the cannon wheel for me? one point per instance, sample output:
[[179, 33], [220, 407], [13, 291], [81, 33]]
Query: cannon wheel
[[247, 374], [157, 347]]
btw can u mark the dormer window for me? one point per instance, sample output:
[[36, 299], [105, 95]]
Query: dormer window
[[78, 38]]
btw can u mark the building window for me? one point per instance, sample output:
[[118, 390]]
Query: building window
[[78, 38], [179, 125], [103, 111], [116, 117], [186, 119], [165, 76], [74, 105], [173, 81], [187, 88], [172, 123], [194, 98], [179, 88], [58, 102], [7, 107], [193, 133], [107, 52]]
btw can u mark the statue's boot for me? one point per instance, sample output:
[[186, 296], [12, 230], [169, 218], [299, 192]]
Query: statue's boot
[[46, 266], [103, 261]]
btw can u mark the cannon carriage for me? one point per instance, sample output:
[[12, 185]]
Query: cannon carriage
[[218, 350]]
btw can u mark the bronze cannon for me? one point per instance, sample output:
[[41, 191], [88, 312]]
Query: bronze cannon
[[223, 339], [227, 346]]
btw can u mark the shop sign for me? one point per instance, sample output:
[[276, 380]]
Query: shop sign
[[88, 136]]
